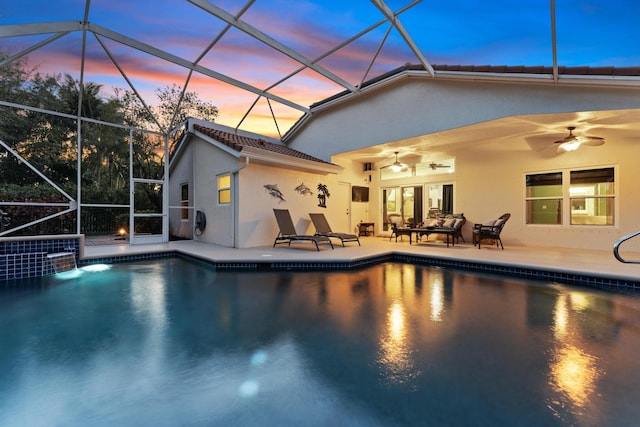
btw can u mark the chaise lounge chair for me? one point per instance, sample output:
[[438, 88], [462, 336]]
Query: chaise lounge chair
[[288, 232], [324, 229], [490, 231]]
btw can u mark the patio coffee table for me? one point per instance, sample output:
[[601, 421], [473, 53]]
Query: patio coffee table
[[447, 231]]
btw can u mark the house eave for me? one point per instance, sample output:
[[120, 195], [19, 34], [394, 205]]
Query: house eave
[[257, 155]]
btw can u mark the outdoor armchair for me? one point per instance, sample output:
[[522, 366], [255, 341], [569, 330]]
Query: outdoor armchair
[[490, 230]]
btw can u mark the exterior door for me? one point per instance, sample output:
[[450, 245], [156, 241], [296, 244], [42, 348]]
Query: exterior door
[[147, 219], [412, 205], [343, 210]]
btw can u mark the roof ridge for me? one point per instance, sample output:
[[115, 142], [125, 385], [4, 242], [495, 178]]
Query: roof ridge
[[238, 142]]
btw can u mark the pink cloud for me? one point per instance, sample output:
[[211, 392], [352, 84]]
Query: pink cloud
[[236, 55]]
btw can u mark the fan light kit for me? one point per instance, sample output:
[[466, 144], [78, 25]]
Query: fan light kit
[[572, 142], [397, 166]]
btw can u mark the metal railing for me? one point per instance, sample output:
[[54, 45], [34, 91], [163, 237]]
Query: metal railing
[[616, 248]]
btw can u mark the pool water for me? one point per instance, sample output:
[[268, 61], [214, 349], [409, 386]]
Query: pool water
[[177, 343]]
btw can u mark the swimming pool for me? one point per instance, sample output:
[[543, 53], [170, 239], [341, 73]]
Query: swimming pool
[[174, 342]]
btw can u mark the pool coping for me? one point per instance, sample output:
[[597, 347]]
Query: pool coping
[[610, 281]]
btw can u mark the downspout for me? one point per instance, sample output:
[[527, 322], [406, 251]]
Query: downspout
[[235, 195]]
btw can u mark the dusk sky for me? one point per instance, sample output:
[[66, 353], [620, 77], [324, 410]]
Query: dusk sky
[[501, 32]]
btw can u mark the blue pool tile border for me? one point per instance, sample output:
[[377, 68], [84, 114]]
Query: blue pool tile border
[[34, 267], [564, 277], [514, 271], [242, 265], [126, 258], [23, 259]]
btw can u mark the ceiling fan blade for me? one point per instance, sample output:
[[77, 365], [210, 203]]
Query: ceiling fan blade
[[567, 139], [539, 143], [393, 159], [434, 165], [572, 142], [591, 140]]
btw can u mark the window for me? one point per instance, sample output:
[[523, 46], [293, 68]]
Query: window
[[224, 189], [586, 197], [592, 196], [544, 198], [184, 200], [404, 201]]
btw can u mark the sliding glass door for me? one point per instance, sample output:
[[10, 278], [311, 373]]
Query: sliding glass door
[[404, 201], [439, 199]]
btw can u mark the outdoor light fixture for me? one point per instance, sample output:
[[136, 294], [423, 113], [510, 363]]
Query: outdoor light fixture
[[122, 234], [570, 145], [396, 166], [572, 142]]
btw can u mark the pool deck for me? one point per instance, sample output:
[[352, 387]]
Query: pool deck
[[594, 263]]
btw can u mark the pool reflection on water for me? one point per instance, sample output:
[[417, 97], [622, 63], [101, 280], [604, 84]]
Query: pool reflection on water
[[172, 342]]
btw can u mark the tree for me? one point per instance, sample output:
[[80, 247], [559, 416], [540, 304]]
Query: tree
[[40, 138], [173, 107], [49, 142]]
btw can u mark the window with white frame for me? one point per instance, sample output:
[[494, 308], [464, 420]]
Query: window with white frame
[[544, 198], [574, 197], [592, 196], [184, 200], [224, 189]]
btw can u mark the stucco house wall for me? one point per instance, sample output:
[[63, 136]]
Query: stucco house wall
[[257, 223], [248, 221], [489, 180], [208, 163], [491, 183]]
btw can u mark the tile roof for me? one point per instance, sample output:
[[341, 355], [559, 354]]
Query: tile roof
[[238, 142]]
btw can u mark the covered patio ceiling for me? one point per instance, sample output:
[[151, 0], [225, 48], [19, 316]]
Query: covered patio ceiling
[[533, 133], [264, 64]]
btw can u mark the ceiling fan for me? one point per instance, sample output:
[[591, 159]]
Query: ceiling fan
[[434, 165], [572, 142], [396, 166]]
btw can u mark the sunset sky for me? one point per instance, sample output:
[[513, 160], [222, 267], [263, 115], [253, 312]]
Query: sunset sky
[[499, 32]]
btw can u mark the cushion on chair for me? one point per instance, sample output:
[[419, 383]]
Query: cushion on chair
[[449, 222], [458, 223], [396, 220], [498, 222]]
